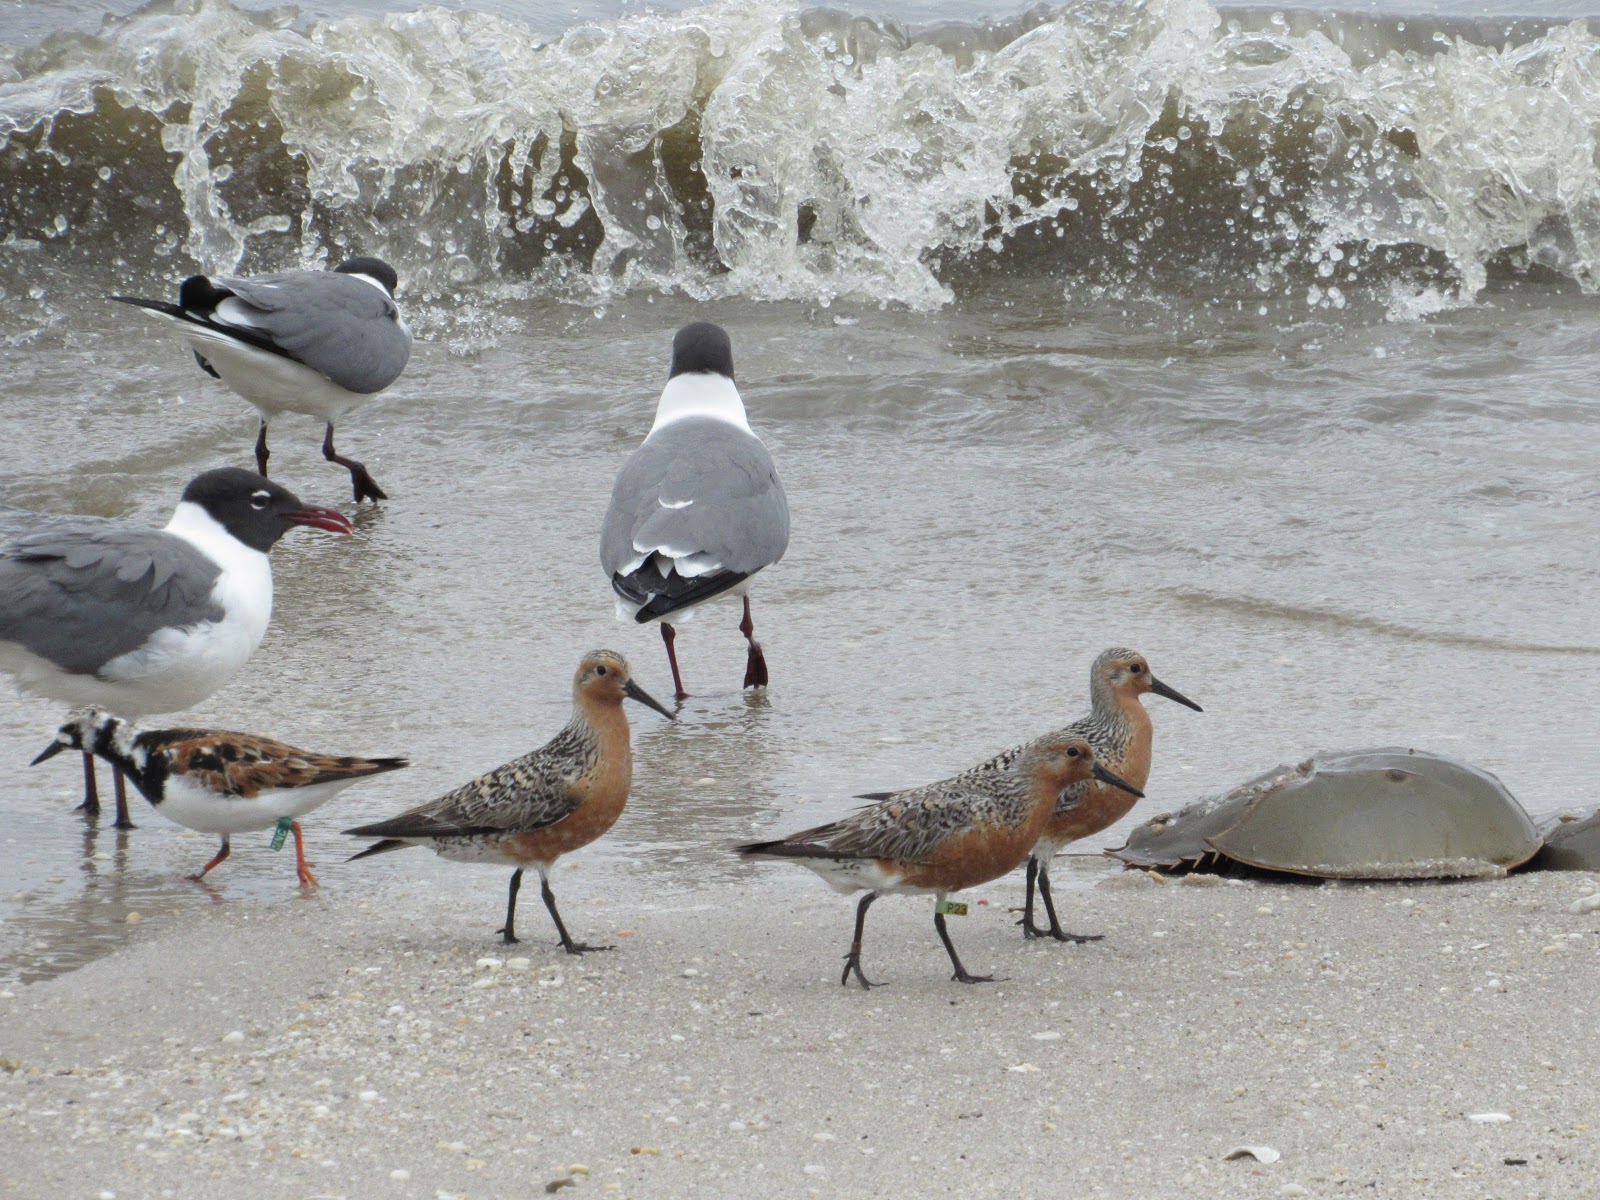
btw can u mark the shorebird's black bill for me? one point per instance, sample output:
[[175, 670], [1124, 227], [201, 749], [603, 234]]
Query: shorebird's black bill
[[1162, 689], [50, 751], [634, 692], [1115, 780]]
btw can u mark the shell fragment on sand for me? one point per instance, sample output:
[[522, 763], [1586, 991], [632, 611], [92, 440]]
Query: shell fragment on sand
[[1262, 1154]]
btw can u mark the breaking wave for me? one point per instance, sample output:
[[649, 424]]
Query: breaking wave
[[773, 152]]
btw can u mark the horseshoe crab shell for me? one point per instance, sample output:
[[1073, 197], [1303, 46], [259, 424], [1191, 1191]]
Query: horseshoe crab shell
[[1387, 813]]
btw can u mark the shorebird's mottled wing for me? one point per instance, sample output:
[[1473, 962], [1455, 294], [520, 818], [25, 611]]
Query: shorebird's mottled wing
[[243, 765], [333, 323], [525, 794], [82, 596], [697, 509], [907, 826]]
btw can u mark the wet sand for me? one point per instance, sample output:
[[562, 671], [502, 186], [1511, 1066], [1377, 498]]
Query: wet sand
[[357, 1046]]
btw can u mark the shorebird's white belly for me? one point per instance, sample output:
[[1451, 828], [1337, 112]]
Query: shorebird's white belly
[[855, 875], [199, 808], [470, 850], [271, 382]]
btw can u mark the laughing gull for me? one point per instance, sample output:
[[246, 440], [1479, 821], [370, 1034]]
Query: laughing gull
[[698, 509], [313, 342], [142, 621], [218, 782]]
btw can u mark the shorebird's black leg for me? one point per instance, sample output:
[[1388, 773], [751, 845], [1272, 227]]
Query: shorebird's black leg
[[1029, 929], [221, 854], [120, 783], [509, 929], [755, 667], [961, 975], [567, 944], [1060, 934], [852, 961], [91, 789], [262, 453], [668, 636], [360, 480]]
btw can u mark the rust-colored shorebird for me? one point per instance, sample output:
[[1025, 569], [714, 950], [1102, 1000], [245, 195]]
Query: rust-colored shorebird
[[214, 781], [534, 809], [1119, 729], [944, 836]]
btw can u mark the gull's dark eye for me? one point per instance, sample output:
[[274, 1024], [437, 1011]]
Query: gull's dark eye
[[259, 500]]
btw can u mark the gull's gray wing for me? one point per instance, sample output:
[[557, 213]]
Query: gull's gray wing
[[337, 324], [698, 505], [81, 596]]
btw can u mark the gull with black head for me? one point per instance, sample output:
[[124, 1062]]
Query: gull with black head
[[697, 510], [534, 809], [140, 621], [314, 342]]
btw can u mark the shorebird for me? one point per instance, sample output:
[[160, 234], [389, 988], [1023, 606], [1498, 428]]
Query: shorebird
[[142, 621], [214, 781], [313, 342], [942, 837], [698, 509], [534, 809], [1119, 729]]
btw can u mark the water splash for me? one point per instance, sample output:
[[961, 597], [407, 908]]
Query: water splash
[[768, 151]]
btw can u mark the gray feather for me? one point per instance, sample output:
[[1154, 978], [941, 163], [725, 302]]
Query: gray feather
[[336, 324], [739, 515], [80, 597]]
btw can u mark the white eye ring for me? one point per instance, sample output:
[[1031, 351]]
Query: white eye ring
[[260, 500]]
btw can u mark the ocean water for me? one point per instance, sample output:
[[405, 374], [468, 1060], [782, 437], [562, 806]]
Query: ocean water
[[1263, 341]]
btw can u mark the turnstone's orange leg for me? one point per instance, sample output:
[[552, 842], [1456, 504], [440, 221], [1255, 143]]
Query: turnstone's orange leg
[[301, 866], [221, 854], [852, 961], [120, 781], [1055, 930], [567, 944], [668, 636], [91, 789], [755, 667]]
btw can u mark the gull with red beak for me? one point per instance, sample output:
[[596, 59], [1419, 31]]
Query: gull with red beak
[[140, 621]]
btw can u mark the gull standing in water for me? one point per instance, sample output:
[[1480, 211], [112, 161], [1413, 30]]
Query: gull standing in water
[[142, 621], [698, 509], [313, 342]]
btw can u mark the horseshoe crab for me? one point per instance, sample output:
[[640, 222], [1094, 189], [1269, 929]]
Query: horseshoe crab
[[1570, 844], [1387, 813]]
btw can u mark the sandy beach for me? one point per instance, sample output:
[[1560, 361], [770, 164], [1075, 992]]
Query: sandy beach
[[1421, 1040]]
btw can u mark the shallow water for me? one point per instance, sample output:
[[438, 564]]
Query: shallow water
[[1369, 521]]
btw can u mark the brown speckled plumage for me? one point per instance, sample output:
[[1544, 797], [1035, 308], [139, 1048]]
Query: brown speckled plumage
[[534, 809]]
